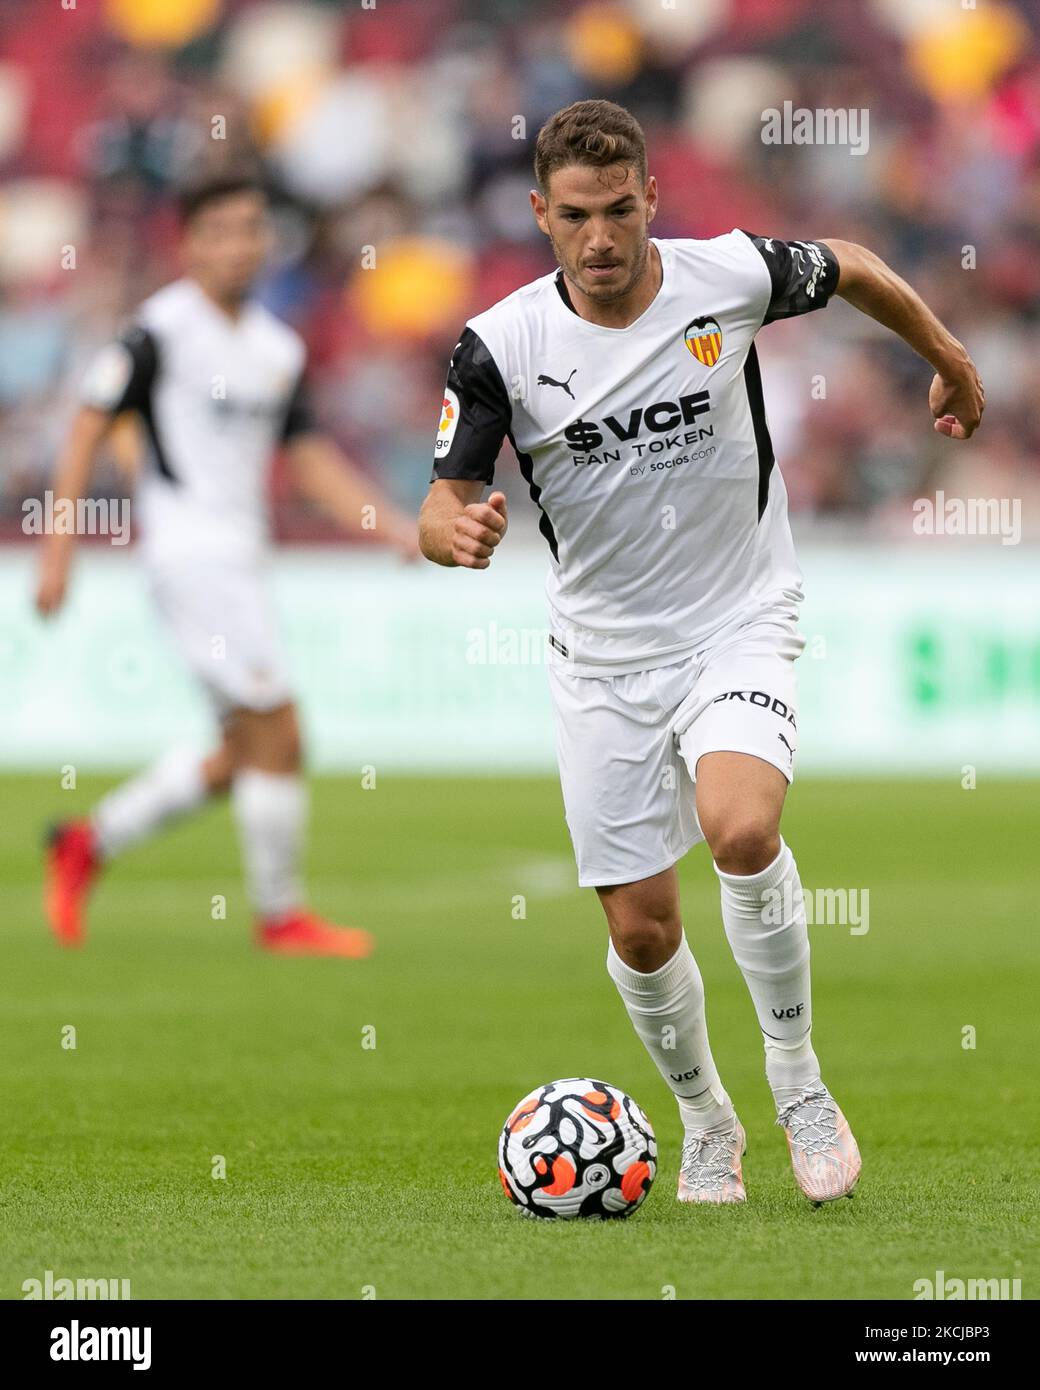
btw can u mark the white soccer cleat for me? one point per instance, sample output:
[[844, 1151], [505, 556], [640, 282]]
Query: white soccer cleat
[[824, 1154], [710, 1167]]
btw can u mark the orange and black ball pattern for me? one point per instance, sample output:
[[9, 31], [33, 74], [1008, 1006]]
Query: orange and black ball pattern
[[577, 1148]]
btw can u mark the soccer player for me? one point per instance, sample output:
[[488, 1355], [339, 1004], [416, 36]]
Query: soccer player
[[628, 384], [218, 385]]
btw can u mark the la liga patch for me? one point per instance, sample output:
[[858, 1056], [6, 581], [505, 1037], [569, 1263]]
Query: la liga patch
[[448, 425]]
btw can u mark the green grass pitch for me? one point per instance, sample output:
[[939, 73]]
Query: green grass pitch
[[353, 1168]]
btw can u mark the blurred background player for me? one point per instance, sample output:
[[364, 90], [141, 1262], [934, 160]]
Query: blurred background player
[[217, 382]]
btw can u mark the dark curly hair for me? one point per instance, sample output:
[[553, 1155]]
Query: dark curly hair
[[595, 132]]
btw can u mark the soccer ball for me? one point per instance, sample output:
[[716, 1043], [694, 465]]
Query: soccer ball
[[577, 1148]]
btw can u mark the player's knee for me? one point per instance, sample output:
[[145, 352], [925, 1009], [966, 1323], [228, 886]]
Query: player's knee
[[646, 944], [646, 930], [268, 739], [745, 845]]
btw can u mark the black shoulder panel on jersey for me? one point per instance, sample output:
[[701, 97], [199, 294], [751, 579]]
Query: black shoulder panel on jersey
[[141, 344], [484, 414], [804, 275], [299, 416]]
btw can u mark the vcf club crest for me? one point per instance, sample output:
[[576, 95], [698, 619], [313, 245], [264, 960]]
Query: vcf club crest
[[704, 339]]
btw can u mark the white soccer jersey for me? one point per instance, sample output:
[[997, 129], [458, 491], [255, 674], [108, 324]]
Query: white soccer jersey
[[216, 396], [646, 448]]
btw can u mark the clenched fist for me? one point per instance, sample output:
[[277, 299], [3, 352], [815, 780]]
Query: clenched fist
[[957, 405], [478, 529]]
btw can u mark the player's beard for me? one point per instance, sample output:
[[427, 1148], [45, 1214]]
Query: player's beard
[[607, 294]]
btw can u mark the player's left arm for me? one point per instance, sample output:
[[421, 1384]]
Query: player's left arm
[[956, 396], [322, 473]]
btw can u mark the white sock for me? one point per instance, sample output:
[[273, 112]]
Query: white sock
[[790, 1067], [666, 1007], [764, 917], [270, 809], [172, 786]]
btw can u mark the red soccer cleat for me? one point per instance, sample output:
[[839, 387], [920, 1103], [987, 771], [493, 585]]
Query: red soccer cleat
[[73, 863], [303, 933]]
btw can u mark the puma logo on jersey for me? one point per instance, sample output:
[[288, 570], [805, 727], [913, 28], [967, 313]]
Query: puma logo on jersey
[[786, 744], [544, 380]]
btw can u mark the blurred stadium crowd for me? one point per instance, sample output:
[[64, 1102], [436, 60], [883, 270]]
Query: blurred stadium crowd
[[393, 125]]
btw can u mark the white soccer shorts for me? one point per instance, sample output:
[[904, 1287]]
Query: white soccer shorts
[[223, 623], [628, 745]]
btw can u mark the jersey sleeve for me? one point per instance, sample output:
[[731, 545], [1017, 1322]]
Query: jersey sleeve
[[475, 416], [299, 413], [122, 374], [802, 274]]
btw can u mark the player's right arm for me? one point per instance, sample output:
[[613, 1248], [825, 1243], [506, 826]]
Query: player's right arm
[[71, 480], [119, 378], [455, 526]]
